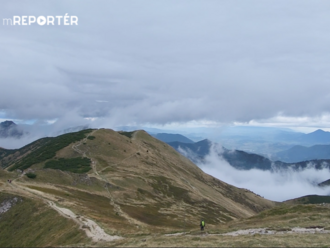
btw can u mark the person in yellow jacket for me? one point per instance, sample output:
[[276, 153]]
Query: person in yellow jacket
[[202, 225]]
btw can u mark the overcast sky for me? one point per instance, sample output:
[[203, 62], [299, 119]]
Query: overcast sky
[[162, 62]]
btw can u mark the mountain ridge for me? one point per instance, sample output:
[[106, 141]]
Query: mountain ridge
[[302, 153], [138, 191], [242, 160], [146, 181], [8, 129]]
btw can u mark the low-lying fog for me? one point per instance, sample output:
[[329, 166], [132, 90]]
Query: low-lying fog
[[276, 186]]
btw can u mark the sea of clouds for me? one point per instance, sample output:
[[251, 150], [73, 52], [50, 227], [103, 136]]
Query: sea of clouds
[[279, 185]]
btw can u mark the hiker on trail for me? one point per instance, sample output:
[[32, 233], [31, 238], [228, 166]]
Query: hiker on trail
[[202, 225]]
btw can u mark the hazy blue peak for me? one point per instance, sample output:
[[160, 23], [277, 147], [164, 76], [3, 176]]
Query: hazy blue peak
[[7, 124], [168, 137]]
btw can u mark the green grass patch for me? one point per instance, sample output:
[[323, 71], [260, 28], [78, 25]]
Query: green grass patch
[[31, 175], [9, 157], [314, 199], [76, 165], [91, 137], [283, 210], [49, 148], [6, 152], [127, 134]]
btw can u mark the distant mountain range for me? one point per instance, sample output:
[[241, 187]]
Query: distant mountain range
[[196, 152], [289, 153], [325, 183], [302, 153], [265, 141], [10, 129], [263, 144], [269, 141], [241, 160], [168, 137], [317, 137], [238, 159]]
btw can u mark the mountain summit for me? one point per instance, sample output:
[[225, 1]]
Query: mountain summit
[[8, 129], [127, 182], [317, 137], [106, 188], [7, 124]]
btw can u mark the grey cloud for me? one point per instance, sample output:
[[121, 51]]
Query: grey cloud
[[167, 61]]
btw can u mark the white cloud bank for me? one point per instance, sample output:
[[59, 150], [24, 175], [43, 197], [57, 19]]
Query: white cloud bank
[[277, 186]]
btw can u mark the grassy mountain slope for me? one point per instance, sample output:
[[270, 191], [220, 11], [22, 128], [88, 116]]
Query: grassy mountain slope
[[30, 223], [139, 188], [310, 199], [9, 157], [151, 171], [134, 183], [278, 224], [44, 149]]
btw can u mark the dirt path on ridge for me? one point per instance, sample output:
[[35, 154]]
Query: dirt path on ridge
[[104, 179], [96, 233], [92, 229]]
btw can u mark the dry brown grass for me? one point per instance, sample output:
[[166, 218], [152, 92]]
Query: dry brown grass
[[31, 223], [287, 216], [143, 189], [4, 175], [92, 205], [148, 176]]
